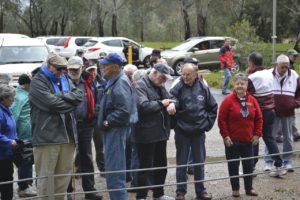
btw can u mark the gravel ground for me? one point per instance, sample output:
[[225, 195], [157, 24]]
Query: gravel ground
[[268, 188]]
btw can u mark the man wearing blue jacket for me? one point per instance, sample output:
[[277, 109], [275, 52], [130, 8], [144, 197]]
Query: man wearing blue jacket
[[114, 118], [196, 112]]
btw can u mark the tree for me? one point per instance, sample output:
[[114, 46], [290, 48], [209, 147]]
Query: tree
[[202, 12], [114, 28], [101, 14], [186, 21]]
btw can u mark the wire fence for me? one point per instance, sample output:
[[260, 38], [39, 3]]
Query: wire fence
[[50, 178]]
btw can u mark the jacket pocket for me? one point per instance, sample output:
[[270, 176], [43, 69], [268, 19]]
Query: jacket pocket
[[45, 123]]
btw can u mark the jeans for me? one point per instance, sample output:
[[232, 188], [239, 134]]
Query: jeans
[[24, 172], [269, 137], [85, 135], [227, 75], [286, 123], [98, 142], [152, 155], [6, 174], [115, 160], [128, 150], [235, 151], [195, 145], [134, 164]]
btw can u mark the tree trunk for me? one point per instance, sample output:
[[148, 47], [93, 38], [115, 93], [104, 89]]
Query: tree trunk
[[1, 16], [186, 21], [100, 17], [114, 29], [202, 12]]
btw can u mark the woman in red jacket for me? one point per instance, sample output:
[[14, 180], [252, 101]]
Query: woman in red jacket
[[240, 123]]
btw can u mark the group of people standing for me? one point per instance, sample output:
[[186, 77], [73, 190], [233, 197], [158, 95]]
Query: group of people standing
[[132, 114]]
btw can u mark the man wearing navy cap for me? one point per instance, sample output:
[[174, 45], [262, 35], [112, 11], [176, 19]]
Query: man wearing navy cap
[[114, 119], [152, 130]]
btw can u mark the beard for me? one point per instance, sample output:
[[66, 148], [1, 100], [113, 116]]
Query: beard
[[74, 76]]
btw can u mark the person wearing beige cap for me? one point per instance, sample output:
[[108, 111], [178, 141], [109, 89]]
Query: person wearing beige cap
[[85, 120], [293, 55], [286, 89], [53, 99]]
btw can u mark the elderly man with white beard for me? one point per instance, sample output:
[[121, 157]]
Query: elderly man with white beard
[[85, 118]]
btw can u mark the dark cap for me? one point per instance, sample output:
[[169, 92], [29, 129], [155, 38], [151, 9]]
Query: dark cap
[[102, 54], [57, 61], [156, 52], [112, 58], [23, 79], [192, 60], [292, 52], [162, 68], [80, 50]]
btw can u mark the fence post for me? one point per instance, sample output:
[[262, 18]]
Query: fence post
[[50, 186]]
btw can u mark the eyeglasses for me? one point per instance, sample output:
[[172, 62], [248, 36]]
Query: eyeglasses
[[61, 69]]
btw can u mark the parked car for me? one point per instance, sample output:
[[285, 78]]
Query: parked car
[[115, 44], [12, 35], [65, 46], [205, 49], [21, 55]]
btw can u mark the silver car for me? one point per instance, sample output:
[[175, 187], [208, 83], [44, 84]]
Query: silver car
[[205, 49]]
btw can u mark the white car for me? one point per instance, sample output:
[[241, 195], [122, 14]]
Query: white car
[[65, 46], [21, 55], [114, 44], [12, 35]]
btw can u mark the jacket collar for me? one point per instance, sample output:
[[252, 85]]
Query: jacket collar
[[274, 72]]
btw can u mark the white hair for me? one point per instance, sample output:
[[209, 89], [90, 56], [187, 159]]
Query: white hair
[[130, 67]]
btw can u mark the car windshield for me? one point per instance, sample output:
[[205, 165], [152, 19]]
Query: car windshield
[[24, 54], [186, 45]]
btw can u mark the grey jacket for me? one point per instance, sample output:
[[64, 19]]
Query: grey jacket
[[154, 121], [52, 115], [196, 108]]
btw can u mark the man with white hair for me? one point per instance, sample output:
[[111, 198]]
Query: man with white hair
[[152, 131], [286, 88]]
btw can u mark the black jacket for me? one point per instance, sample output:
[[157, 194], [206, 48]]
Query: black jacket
[[196, 108], [154, 121]]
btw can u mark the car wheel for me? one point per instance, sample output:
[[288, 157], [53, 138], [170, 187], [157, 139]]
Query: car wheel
[[236, 68], [146, 61], [177, 67]]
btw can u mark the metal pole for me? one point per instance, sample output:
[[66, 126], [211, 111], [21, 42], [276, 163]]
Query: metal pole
[[274, 31]]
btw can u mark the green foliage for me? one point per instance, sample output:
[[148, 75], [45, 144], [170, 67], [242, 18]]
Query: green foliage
[[248, 42]]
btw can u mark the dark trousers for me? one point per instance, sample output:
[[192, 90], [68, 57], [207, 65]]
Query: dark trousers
[[152, 155], [236, 151], [6, 174], [184, 146], [98, 142], [269, 138], [23, 173]]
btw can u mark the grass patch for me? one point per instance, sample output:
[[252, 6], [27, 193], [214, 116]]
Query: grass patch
[[281, 190], [215, 79]]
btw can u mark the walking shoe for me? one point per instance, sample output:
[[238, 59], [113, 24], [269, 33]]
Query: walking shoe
[[279, 171], [268, 167], [296, 137], [190, 171], [289, 167], [164, 197], [279, 139], [28, 192], [236, 193], [93, 197], [204, 196], [180, 197], [251, 193]]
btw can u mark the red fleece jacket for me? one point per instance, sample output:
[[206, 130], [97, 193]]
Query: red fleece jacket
[[233, 124]]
